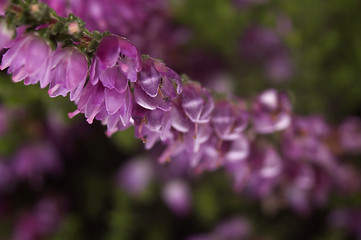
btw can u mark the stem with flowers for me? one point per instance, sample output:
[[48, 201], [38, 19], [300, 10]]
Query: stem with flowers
[[110, 81]]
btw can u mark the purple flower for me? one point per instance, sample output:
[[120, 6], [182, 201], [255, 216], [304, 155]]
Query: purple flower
[[263, 46], [115, 61], [271, 112], [193, 107], [109, 106], [134, 177], [177, 196], [68, 72], [306, 139], [155, 86], [107, 95], [151, 125], [229, 119], [197, 103], [28, 58], [32, 162], [350, 135], [266, 168], [41, 221]]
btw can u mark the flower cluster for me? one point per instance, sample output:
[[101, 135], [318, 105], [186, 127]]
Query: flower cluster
[[307, 167], [115, 84], [121, 88]]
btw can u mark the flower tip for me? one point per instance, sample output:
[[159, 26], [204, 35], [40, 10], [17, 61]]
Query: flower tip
[[109, 133], [73, 114]]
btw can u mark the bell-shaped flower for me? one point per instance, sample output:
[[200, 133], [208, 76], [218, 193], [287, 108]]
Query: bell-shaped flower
[[229, 119], [107, 95], [266, 167], [151, 125], [107, 105], [115, 58], [307, 139], [271, 112], [155, 87], [68, 72], [193, 107], [28, 59], [197, 103]]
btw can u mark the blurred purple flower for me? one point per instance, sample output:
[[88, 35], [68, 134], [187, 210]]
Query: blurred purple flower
[[177, 196], [28, 59], [41, 221], [271, 112], [135, 176], [306, 139], [33, 162], [263, 46], [266, 169], [350, 135], [229, 119]]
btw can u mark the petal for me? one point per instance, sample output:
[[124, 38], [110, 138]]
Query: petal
[[114, 78], [154, 119], [144, 99], [129, 50], [77, 70], [113, 100], [108, 51], [149, 80], [192, 103], [38, 53]]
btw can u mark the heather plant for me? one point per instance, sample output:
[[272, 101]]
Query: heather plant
[[210, 155]]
